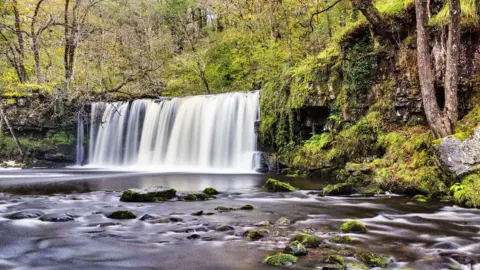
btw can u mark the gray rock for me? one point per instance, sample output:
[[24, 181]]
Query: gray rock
[[57, 218], [296, 248], [461, 157], [283, 221], [26, 214], [446, 245]]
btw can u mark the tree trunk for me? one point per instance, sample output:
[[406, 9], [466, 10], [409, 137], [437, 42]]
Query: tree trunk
[[441, 122], [35, 42], [20, 48]]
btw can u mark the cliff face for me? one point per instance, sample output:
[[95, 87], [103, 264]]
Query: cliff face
[[43, 128]]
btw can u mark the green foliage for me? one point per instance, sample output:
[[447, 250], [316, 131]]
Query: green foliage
[[470, 14], [280, 259], [353, 226]]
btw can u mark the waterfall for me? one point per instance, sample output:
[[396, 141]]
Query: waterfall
[[191, 133], [79, 150]]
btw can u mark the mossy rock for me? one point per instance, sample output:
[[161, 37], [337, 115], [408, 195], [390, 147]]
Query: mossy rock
[[273, 185], [210, 191], [372, 259], [254, 235], [353, 226], [247, 207], [308, 240], [198, 213], [280, 259], [148, 195], [341, 239], [224, 208], [225, 228], [338, 259], [420, 198], [122, 215], [197, 197], [341, 189], [296, 248]]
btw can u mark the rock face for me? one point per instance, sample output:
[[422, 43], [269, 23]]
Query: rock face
[[461, 157]]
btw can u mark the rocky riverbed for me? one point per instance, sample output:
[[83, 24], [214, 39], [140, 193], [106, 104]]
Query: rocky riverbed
[[59, 219]]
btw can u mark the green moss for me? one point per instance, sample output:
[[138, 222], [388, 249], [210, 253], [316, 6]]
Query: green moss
[[335, 259], [341, 239], [210, 191], [372, 259], [198, 213], [223, 208], [296, 248], [280, 259], [420, 198], [338, 189], [197, 197], [470, 15], [247, 207], [122, 215], [353, 226], [149, 195], [273, 185], [254, 235], [308, 240], [467, 193]]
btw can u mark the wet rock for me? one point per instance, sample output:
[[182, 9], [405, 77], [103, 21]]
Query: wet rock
[[461, 157], [335, 259], [247, 207], [283, 221], [308, 240], [209, 214], [280, 259], [341, 239], [57, 218], [223, 208], [225, 228], [148, 195], [372, 259], [446, 245], [198, 213], [193, 237], [330, 266], [210, 191], [341, 189], [197, 197], [273, 185], [296, 248], [26, 214], [462, 259], [353, 226], [107, 224], [122, 215], [263, 223], [147, 217], [420, 198], [254, 235]]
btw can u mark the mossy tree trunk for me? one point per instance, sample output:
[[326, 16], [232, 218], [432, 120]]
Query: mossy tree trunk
[[441, 121]]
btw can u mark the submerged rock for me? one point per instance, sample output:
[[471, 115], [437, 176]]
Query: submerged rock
[[273, 185], [210, 191], [148, 195], [308, 240], [446, 245], [372, 259], [26, 214], [296, 248], [254, 235], [223, 208], [280, 259], [193, 237], [340, 239], [57, 218], [331, 266], [122, 215], [147, 217], [353, 226], [247, 207], [225, 228], [263, 223], [420, 198], [197, 197], [283, 221], [198, 213]]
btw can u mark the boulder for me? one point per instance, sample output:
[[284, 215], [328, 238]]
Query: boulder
[[57, 218], [459, 156], [210, 191], [273, 185], [246, 207], [148, 195], [308, 240], [341, 189], [280, 259], [122, 215], [372, 259], [25, 214], [296, 248], [283, 221], [353, 226]]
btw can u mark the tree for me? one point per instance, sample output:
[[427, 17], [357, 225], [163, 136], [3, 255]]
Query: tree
[[441, 120]]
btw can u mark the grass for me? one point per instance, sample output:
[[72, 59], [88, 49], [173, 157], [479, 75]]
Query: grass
[[470, 16]]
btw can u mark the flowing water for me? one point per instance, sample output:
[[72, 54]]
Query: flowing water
[[197, 133], [416, 236]]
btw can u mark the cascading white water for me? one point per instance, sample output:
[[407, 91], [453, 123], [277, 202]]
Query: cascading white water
[[190, 133], [79, 150]]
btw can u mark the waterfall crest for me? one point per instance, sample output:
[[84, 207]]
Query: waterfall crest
[[190, 133]]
